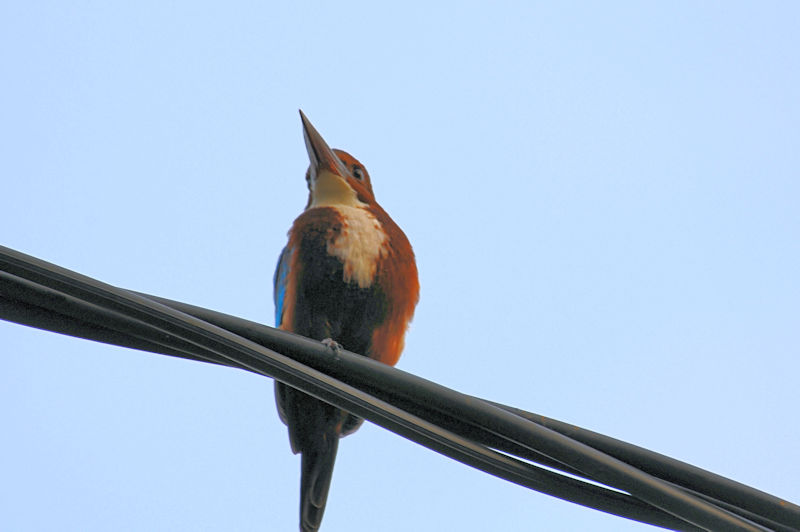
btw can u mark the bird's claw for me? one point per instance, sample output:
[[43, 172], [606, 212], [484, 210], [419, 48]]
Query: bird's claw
[[333, 345]]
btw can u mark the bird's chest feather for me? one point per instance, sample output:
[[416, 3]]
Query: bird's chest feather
[[350, 235]]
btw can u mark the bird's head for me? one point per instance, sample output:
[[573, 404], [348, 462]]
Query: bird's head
[[334, 177]]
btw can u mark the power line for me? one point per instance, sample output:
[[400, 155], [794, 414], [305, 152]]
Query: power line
[[498, 439]]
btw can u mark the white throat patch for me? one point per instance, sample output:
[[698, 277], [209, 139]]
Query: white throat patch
[[360, 244], [331, 190]]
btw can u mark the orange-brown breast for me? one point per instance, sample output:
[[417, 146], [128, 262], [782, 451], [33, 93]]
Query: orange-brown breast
[[397, 277]]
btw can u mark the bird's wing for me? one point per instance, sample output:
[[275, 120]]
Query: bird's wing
[[279, 283]]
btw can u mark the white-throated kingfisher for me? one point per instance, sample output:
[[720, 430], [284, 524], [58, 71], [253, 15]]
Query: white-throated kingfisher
[[347, 277]]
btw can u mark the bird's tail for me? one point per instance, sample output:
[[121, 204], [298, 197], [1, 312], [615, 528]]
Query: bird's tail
[[317, 470]]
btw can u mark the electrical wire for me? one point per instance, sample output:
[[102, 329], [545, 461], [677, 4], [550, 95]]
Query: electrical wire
[[498, 439]]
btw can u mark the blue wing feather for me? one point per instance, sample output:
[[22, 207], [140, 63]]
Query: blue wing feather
[[279, 281]]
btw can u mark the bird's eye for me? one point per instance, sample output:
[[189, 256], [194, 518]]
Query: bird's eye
[[358, 173]]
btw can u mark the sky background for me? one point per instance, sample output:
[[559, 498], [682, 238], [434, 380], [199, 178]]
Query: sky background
[[603, 199]]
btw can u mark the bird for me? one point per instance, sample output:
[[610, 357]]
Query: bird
[[347, 277]]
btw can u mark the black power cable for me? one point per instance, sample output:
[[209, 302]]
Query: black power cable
[[663, 492]]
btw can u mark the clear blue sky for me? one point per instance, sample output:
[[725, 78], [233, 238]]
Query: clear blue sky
[[604, 199]]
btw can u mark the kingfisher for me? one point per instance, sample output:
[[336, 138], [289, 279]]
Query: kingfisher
[[347, 277]]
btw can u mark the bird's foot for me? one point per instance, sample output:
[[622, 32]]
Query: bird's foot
[[334, 346]]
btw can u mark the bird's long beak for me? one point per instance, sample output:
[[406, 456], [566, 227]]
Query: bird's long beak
[[319, 153]]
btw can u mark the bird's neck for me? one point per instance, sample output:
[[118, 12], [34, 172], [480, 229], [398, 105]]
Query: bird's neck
[[331, 190]]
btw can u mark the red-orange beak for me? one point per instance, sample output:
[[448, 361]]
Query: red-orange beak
[[319, 153]]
